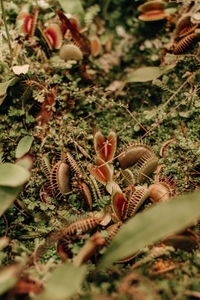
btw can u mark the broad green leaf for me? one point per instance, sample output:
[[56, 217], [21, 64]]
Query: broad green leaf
[[148, 73], [24, 146], [7, 197], [65, 281], [4, 86], [152, 225], [72, 7], [13, 175]]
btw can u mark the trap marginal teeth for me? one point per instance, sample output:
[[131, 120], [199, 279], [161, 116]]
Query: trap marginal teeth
[[146, 166], [59, 179], [136, 200], [132, 154]]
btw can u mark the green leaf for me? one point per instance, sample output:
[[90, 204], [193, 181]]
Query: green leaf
[[4, 86], [24, 146], [148, 73], [152, 225], [7, 197], [66, 280], [72, 7], [13, 175]]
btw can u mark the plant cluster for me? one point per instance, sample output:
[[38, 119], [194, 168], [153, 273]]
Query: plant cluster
[[99, 141]]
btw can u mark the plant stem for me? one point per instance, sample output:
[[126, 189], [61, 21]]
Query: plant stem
[[6, 27], [105, 8]]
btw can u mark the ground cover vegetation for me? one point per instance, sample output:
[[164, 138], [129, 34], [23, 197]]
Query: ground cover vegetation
[[99, 150]]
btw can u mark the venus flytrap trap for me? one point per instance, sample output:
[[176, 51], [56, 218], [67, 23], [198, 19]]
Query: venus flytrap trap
[[185, 42], [152, 11], [105, 148], [28, 21], [70, 52], [102, 171], [161, 191], [52, 35], [186, 31], [141, 156]]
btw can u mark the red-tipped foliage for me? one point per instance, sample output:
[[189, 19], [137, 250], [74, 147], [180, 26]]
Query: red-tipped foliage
[[101, 172], [27, 23], [105, 149], [77, 37], [33, 23], [53, 36], [111, 145], [99, 144], [119, 204]]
